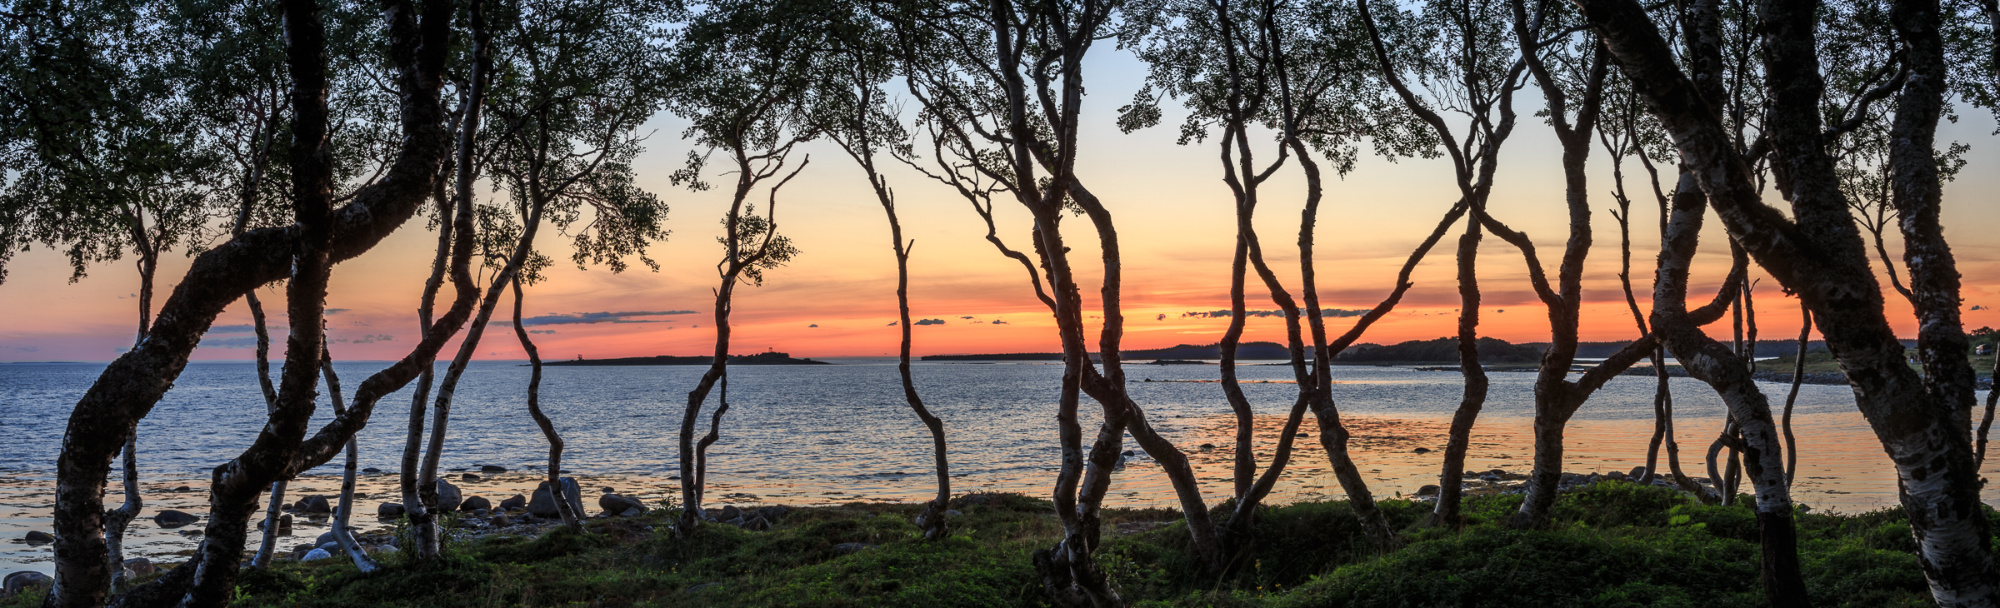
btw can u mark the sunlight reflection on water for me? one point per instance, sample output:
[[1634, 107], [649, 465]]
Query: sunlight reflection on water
[[805, 435]]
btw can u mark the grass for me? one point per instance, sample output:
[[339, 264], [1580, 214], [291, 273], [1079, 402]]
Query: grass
[[1612, 544]]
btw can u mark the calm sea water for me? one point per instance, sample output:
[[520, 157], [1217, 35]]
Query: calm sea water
[[825, 434]]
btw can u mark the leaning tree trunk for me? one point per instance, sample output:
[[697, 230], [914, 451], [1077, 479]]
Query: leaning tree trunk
[[130, 386], [343, 533], [115, 520], [420, 502], [570, 517]]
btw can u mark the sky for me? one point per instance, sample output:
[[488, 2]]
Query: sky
[[1175, 221]]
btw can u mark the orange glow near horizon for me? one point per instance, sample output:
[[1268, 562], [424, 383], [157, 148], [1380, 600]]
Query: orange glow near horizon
[[1174, 220]]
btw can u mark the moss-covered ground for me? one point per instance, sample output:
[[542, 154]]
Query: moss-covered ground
[[1612, 545]]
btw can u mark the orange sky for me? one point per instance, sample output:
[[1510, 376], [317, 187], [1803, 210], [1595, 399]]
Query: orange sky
[[1174, 218]]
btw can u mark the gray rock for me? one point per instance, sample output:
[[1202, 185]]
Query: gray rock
[[516, 502], [615, 504], [448, 496], [492, 469], [316, 555], [371, 470], [481, 512], [635, 512], [21, 581], [140, 566], [389, 510], [332, 547], [325, 538], [384, 549], [757, 523], [846, 548], [285, 524], [544, 505], [476, 503], [174, 519], [1421, 450], [469, 477], [183, 489], [773, 513], [1615, 475], [501, 521], [1637, 472], [730, 512], [313, 505], [38, 537], [1429, 490]]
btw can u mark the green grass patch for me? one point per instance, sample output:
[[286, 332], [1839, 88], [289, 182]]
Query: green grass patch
[[1612, 544]]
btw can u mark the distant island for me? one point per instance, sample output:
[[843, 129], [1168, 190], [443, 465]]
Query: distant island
[[766, 358], [1436, 351]]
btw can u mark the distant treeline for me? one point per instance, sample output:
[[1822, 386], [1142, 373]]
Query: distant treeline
[[769, 358], [1440, 350]]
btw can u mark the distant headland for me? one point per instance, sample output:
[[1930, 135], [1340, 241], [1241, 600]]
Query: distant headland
[[765, 358]]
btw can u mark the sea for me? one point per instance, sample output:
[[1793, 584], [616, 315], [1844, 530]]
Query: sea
[[806, 435]]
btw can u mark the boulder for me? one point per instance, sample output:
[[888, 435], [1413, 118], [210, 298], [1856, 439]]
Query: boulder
[[313, 504], [1637, 473], [516, 502], [1429, 490], [284, 524], [492, 469], [476, 503], [633, 512], [21, 581], [501, 521], [316, 555], [544, 505], [448, 496], [174, 519], [846, 548], [38, 537], [326, 538], [730, 512], [1615, 475], [389, 510], [773, 513], [139, 566], [469, 477], [615, 504], [757, 523]]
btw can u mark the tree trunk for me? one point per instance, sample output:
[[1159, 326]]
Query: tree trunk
[[342, 514], [556, 491], [1452, 476], [129, 387], [1792, 397]]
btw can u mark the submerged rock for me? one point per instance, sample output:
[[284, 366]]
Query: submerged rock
[[38, 537], [174, 519]]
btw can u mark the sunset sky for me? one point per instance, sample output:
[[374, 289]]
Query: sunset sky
[[1174, 218]]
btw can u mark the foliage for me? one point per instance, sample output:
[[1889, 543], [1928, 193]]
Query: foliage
[[1610, 544]]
